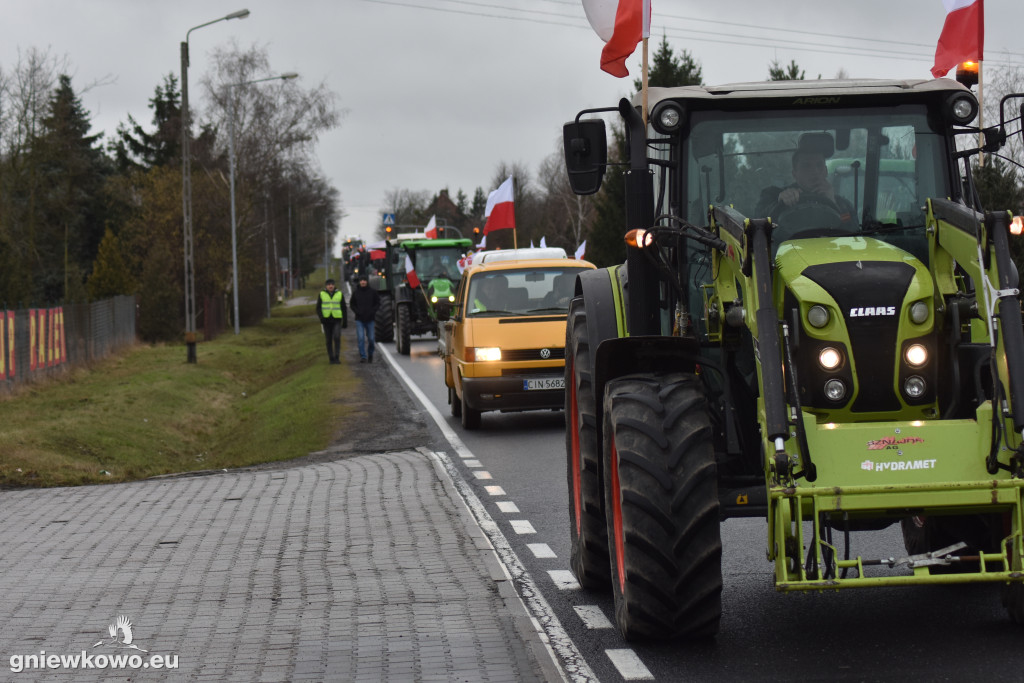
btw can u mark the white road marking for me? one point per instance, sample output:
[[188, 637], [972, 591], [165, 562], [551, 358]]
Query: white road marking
[[482, 474], [541, 550], [592, 616], [573, 664], [564, 580], [522, 526], [629, 665], [472, 463], [508, 506]]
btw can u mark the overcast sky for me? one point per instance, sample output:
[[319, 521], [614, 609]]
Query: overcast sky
[[439, 92]]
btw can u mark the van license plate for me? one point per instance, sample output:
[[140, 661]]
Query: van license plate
[[550, 383]]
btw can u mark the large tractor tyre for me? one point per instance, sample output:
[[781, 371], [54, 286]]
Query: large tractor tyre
[[661, 504], [402, 331], [383, 323], [455, 402], [588, 533]]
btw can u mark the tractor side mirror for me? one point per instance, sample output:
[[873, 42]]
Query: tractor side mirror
[[586, 154]]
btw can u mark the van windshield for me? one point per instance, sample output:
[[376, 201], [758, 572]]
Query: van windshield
[[526, 291]]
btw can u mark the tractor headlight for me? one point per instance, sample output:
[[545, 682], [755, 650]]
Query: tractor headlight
[[433, 299], [667, 117], [451, 298], [963, 108], [817, 316], [835, 390], [830, 358], [916, 355], [918, 312], [483, 353], [914, 387]]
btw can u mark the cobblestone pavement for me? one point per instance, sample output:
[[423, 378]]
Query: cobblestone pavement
[[363, 569]]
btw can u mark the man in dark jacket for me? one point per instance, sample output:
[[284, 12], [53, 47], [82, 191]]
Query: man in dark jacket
[[365, 302], [330, 308]]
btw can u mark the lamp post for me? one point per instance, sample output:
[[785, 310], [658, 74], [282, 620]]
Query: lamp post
[[186, 190], [231, 158]]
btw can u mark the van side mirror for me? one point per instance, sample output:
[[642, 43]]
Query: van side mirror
[[586, 154]]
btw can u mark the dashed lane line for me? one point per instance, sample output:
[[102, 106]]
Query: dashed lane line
[[546, 622], [592, 617], [522, 526], [629, 665], [495, 490], [564, 580], [507, 506], [542, 551]]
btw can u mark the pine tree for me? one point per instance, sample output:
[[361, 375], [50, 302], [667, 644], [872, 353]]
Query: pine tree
[[135, 147], [668, 70], [110, 276], [790, 73], [70, 209]]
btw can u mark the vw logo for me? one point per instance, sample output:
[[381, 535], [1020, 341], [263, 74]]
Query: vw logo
[[545, 353]]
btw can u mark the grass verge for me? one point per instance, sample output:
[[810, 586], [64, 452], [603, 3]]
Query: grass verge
[[262, 396]]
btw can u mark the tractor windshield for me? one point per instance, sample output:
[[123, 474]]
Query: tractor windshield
[[820, 173], [441, 262]]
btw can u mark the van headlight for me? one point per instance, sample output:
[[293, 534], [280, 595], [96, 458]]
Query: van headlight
[[483, 353]]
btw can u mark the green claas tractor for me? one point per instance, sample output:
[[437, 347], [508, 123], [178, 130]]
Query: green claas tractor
[[816, 324], [413, 309]]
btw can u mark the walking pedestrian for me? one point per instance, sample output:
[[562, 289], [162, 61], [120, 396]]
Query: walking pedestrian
[[330, 308], [365, 301]]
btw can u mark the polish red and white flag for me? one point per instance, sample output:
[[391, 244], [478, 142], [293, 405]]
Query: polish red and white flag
[[500, 211], [431, 228], [581, 250], [621, 24], [410, 273], [963, 35]]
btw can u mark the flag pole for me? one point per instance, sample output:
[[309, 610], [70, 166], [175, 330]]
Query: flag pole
[[643, 80], [981, 120], [515, 239]]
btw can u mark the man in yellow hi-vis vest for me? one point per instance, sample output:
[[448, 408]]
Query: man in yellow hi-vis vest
[[330, 308]]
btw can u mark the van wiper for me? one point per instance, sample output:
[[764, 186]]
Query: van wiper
[[553, 309], [493, 312]]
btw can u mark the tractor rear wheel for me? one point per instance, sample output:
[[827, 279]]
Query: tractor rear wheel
[[588, 534], [402, 330], [383, 324], [661, 504]]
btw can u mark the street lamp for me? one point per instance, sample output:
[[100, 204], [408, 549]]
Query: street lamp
[[231, 158], [186, 190]]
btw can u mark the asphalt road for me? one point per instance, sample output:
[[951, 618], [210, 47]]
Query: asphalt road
[[949, 633]]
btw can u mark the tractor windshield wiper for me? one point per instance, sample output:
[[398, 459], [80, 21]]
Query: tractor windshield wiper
[[871, 226]]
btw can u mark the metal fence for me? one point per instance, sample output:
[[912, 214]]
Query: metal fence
[[39, 342]]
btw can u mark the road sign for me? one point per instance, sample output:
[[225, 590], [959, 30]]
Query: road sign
[[389, 219]]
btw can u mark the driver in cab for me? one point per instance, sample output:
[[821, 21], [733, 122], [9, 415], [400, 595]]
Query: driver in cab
[[812, 185]]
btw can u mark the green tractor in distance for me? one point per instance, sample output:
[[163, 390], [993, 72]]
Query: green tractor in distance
[[406, 309], [835, 355]]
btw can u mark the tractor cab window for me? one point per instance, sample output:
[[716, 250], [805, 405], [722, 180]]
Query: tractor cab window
[[436, 263], [821, 173]]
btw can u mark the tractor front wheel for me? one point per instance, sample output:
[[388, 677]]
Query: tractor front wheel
[[661, 504], [402, 331], [588, 536]]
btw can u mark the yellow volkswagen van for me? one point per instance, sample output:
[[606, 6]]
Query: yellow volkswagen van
[[504, 344]]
